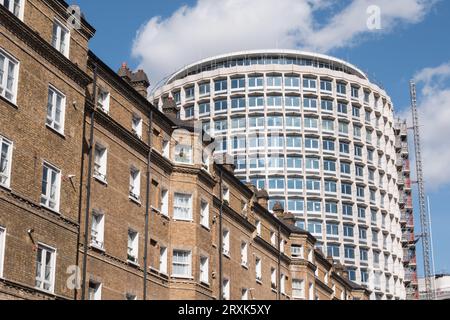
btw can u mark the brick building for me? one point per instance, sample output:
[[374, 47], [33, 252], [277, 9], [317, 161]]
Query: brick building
[[99, 187]]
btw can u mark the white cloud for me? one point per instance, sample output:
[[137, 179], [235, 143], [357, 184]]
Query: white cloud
[[213, 27], [434, 113]]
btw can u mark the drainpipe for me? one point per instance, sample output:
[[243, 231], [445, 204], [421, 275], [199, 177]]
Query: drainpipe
[[147, 204], [88, 188], [80, 201], [279, 262], [220, 238]]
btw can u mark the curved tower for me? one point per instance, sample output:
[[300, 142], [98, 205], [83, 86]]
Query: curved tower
[[319, 137]]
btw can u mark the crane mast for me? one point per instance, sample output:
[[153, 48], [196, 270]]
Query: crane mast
[[424, 221]]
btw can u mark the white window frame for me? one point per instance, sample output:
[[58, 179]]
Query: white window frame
[[204, 213], [100, 163], [244, 254], [283, 284], [165, 202], [11, 7], [258, 269], [104, 100], [258, 227], [273, 238], [2, 249], [226, 193], [131, 297], [40, 276], [5, 74], [296, 252], [311, 291], [137, 125], [98, 233], [244, 294], [56, 42], [163, 259], [98, 290], [298, 289], [183, 154], [133, 246], [166, 148], [226, 289], [5, 172], [52, 107], [204, 270], [46, 199], [187, 264], [187, 208], [226, 242], [273, 278], [135, 184]]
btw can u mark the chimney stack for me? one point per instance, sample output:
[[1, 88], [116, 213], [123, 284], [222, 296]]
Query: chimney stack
[[278, 210], [263, 198], [138, 80]]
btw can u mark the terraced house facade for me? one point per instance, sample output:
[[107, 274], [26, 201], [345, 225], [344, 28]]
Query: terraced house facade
[[102, 196]]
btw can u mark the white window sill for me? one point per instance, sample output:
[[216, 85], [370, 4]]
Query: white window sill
[[52, 292], [6, 186], [135, 264], [52, 210], [103, 110], [206, 283], [205, 227], [101, 180], [182, 277], [58, 132], [182, 220], [259, 281], [97, 247], [244, 265], [133, 199], [185, 163], [155, 209]]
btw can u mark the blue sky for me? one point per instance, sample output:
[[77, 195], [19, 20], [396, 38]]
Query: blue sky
[[414, 37]]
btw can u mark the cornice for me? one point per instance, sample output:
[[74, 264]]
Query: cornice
[[323, 286], [234, 215], [233, 180], [42, 47], [272, 249], [119, 131], [61, 7], [31, 206], [21, 287], [124, 88], [266, 214]]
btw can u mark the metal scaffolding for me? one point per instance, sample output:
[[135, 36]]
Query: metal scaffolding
[[424, 218]]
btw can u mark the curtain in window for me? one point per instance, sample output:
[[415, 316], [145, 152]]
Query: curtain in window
[[182, 209], [4, 158], [181, 263]]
